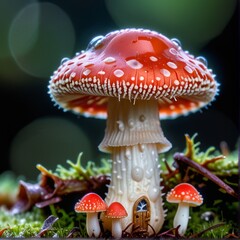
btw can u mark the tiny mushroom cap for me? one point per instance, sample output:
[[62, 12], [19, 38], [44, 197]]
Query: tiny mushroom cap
[[91, 202], [116, 210], [186, 193], [133, 64]]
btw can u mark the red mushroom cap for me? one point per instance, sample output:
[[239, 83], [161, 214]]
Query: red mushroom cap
[[91, 202], [133, 64], [116, 210], [185, 192]]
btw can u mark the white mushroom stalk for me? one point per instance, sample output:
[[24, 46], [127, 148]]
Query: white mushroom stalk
[[181, 218], [116, 228], [92, 224], [134, 137]]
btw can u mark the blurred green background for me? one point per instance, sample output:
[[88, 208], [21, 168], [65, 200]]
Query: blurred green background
[[35, 35]]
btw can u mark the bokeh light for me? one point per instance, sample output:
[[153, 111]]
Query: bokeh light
[[195, 22], [9, 9], [40, 34], [48, 141]]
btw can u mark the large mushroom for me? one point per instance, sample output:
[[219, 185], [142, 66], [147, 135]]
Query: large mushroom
[[132, 77]]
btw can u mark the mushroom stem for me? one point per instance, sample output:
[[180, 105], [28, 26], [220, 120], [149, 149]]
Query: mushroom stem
[[134, 138], [116, 228], [181, 218], [92, 225]]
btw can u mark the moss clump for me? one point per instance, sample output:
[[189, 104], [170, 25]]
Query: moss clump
[[30, 224], [78, 172], [21, 225]]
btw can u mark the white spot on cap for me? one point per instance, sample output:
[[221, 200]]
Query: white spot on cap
[[141, 78], [158, 78], [188, 69], [132, 78], [87, 64], [101, 72], [109, 60], [172, 65], [73, 74], [118, 73], [133, 63], [153, 59], [86, 72], [176, 82], [165, 72]]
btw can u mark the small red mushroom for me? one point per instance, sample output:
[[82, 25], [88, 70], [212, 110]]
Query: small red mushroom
[[186, 196], [116, 212], [91, 204]]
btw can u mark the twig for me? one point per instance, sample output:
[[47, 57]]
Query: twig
[[180, 157]]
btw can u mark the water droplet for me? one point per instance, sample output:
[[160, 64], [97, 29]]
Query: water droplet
[[176, 42], [120, 192], [130, 123], [137, 174], [120, 125], [153, 193], [142, 147], [64, 60], [142, 118], [128, 154], [203, 60], [95, 42]]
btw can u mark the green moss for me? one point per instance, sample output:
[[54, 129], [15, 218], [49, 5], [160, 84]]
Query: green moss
[[77, 171], [29, 224], [211, 158], [67, 221], [21, 225]]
